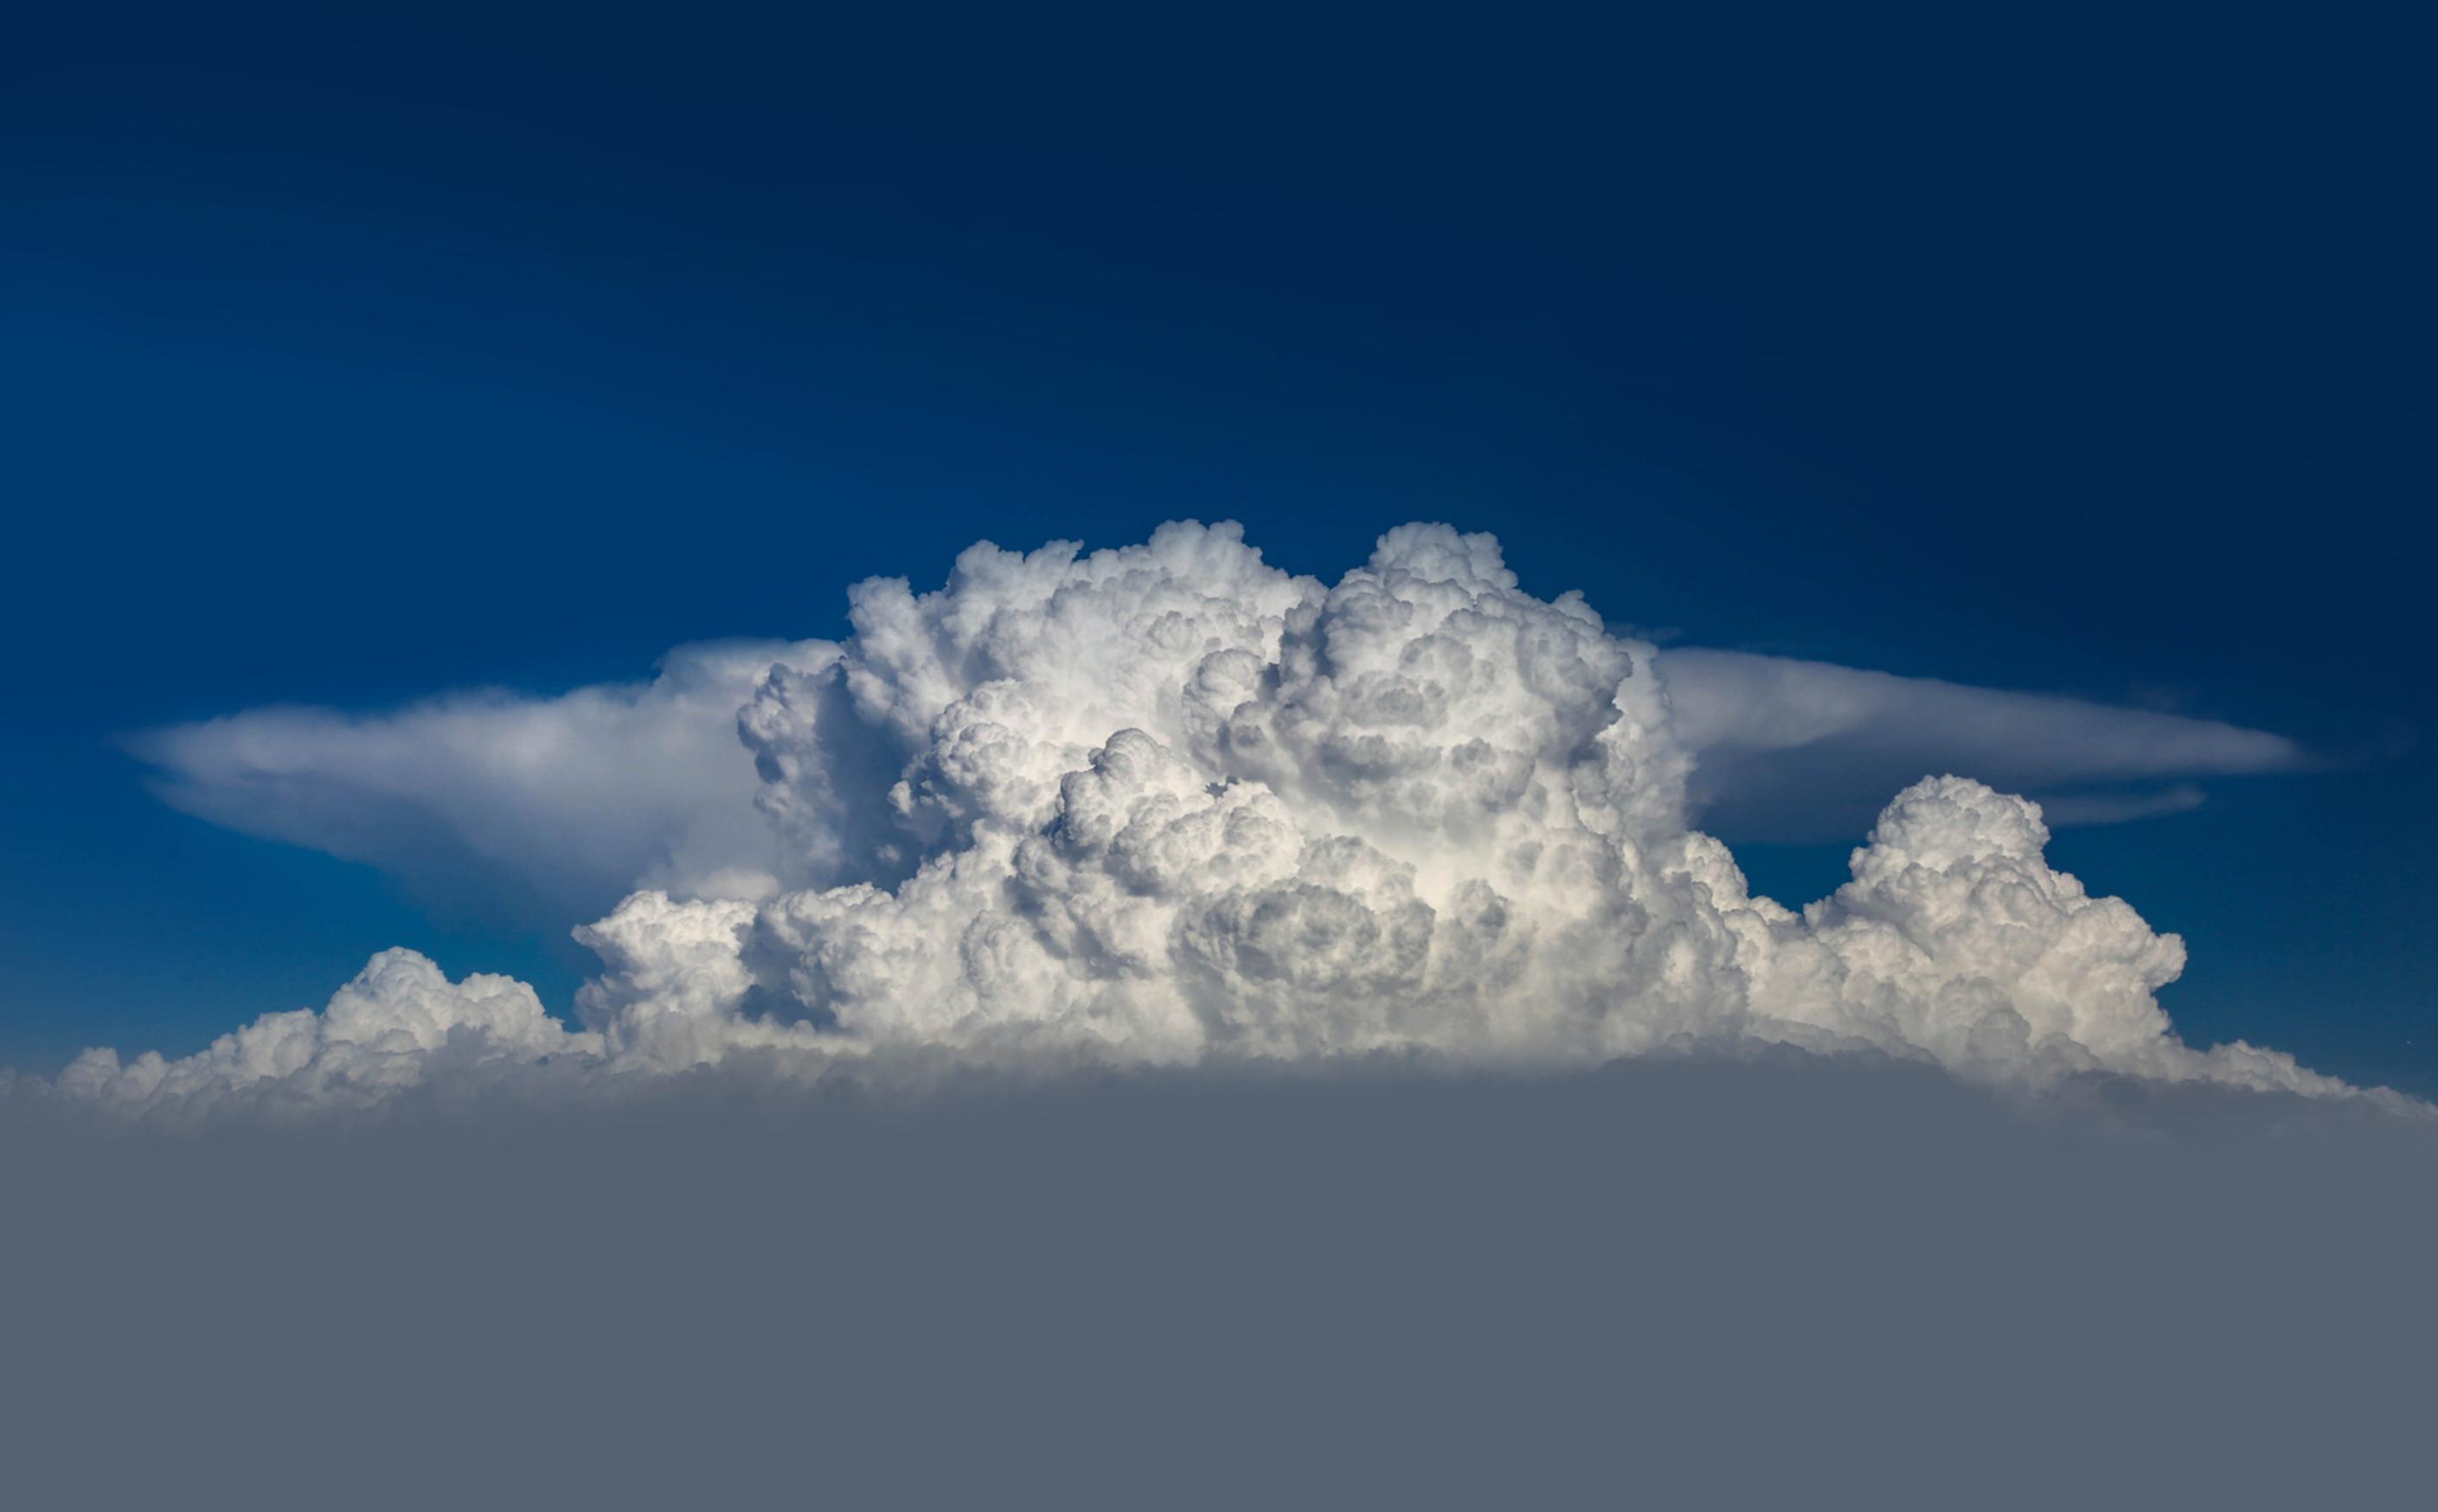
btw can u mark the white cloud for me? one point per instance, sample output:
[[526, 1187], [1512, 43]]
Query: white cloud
[[1170, 805]]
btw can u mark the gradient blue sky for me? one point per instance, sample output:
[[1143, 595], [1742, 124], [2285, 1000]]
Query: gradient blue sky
[[349, 360]]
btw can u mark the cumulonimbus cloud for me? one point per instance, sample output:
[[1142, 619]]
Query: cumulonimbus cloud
[[1169, 804]]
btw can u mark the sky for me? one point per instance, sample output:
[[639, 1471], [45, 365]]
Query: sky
[[356, 359]]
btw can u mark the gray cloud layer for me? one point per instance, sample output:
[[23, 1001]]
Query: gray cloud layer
[[1170, 805], [1785, 1282]]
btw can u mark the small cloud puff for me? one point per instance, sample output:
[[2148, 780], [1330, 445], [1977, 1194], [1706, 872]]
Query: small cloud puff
[[400, 1022]]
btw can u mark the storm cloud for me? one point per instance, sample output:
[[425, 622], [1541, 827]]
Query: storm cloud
[[1170, 805]]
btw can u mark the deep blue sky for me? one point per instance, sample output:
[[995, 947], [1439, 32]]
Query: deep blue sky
[[352, 358]]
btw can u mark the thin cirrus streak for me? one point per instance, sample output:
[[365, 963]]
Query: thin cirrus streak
[[1170, 805], [1794, 750]]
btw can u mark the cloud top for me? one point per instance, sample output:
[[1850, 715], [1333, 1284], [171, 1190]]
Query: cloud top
[[1169, 805]]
